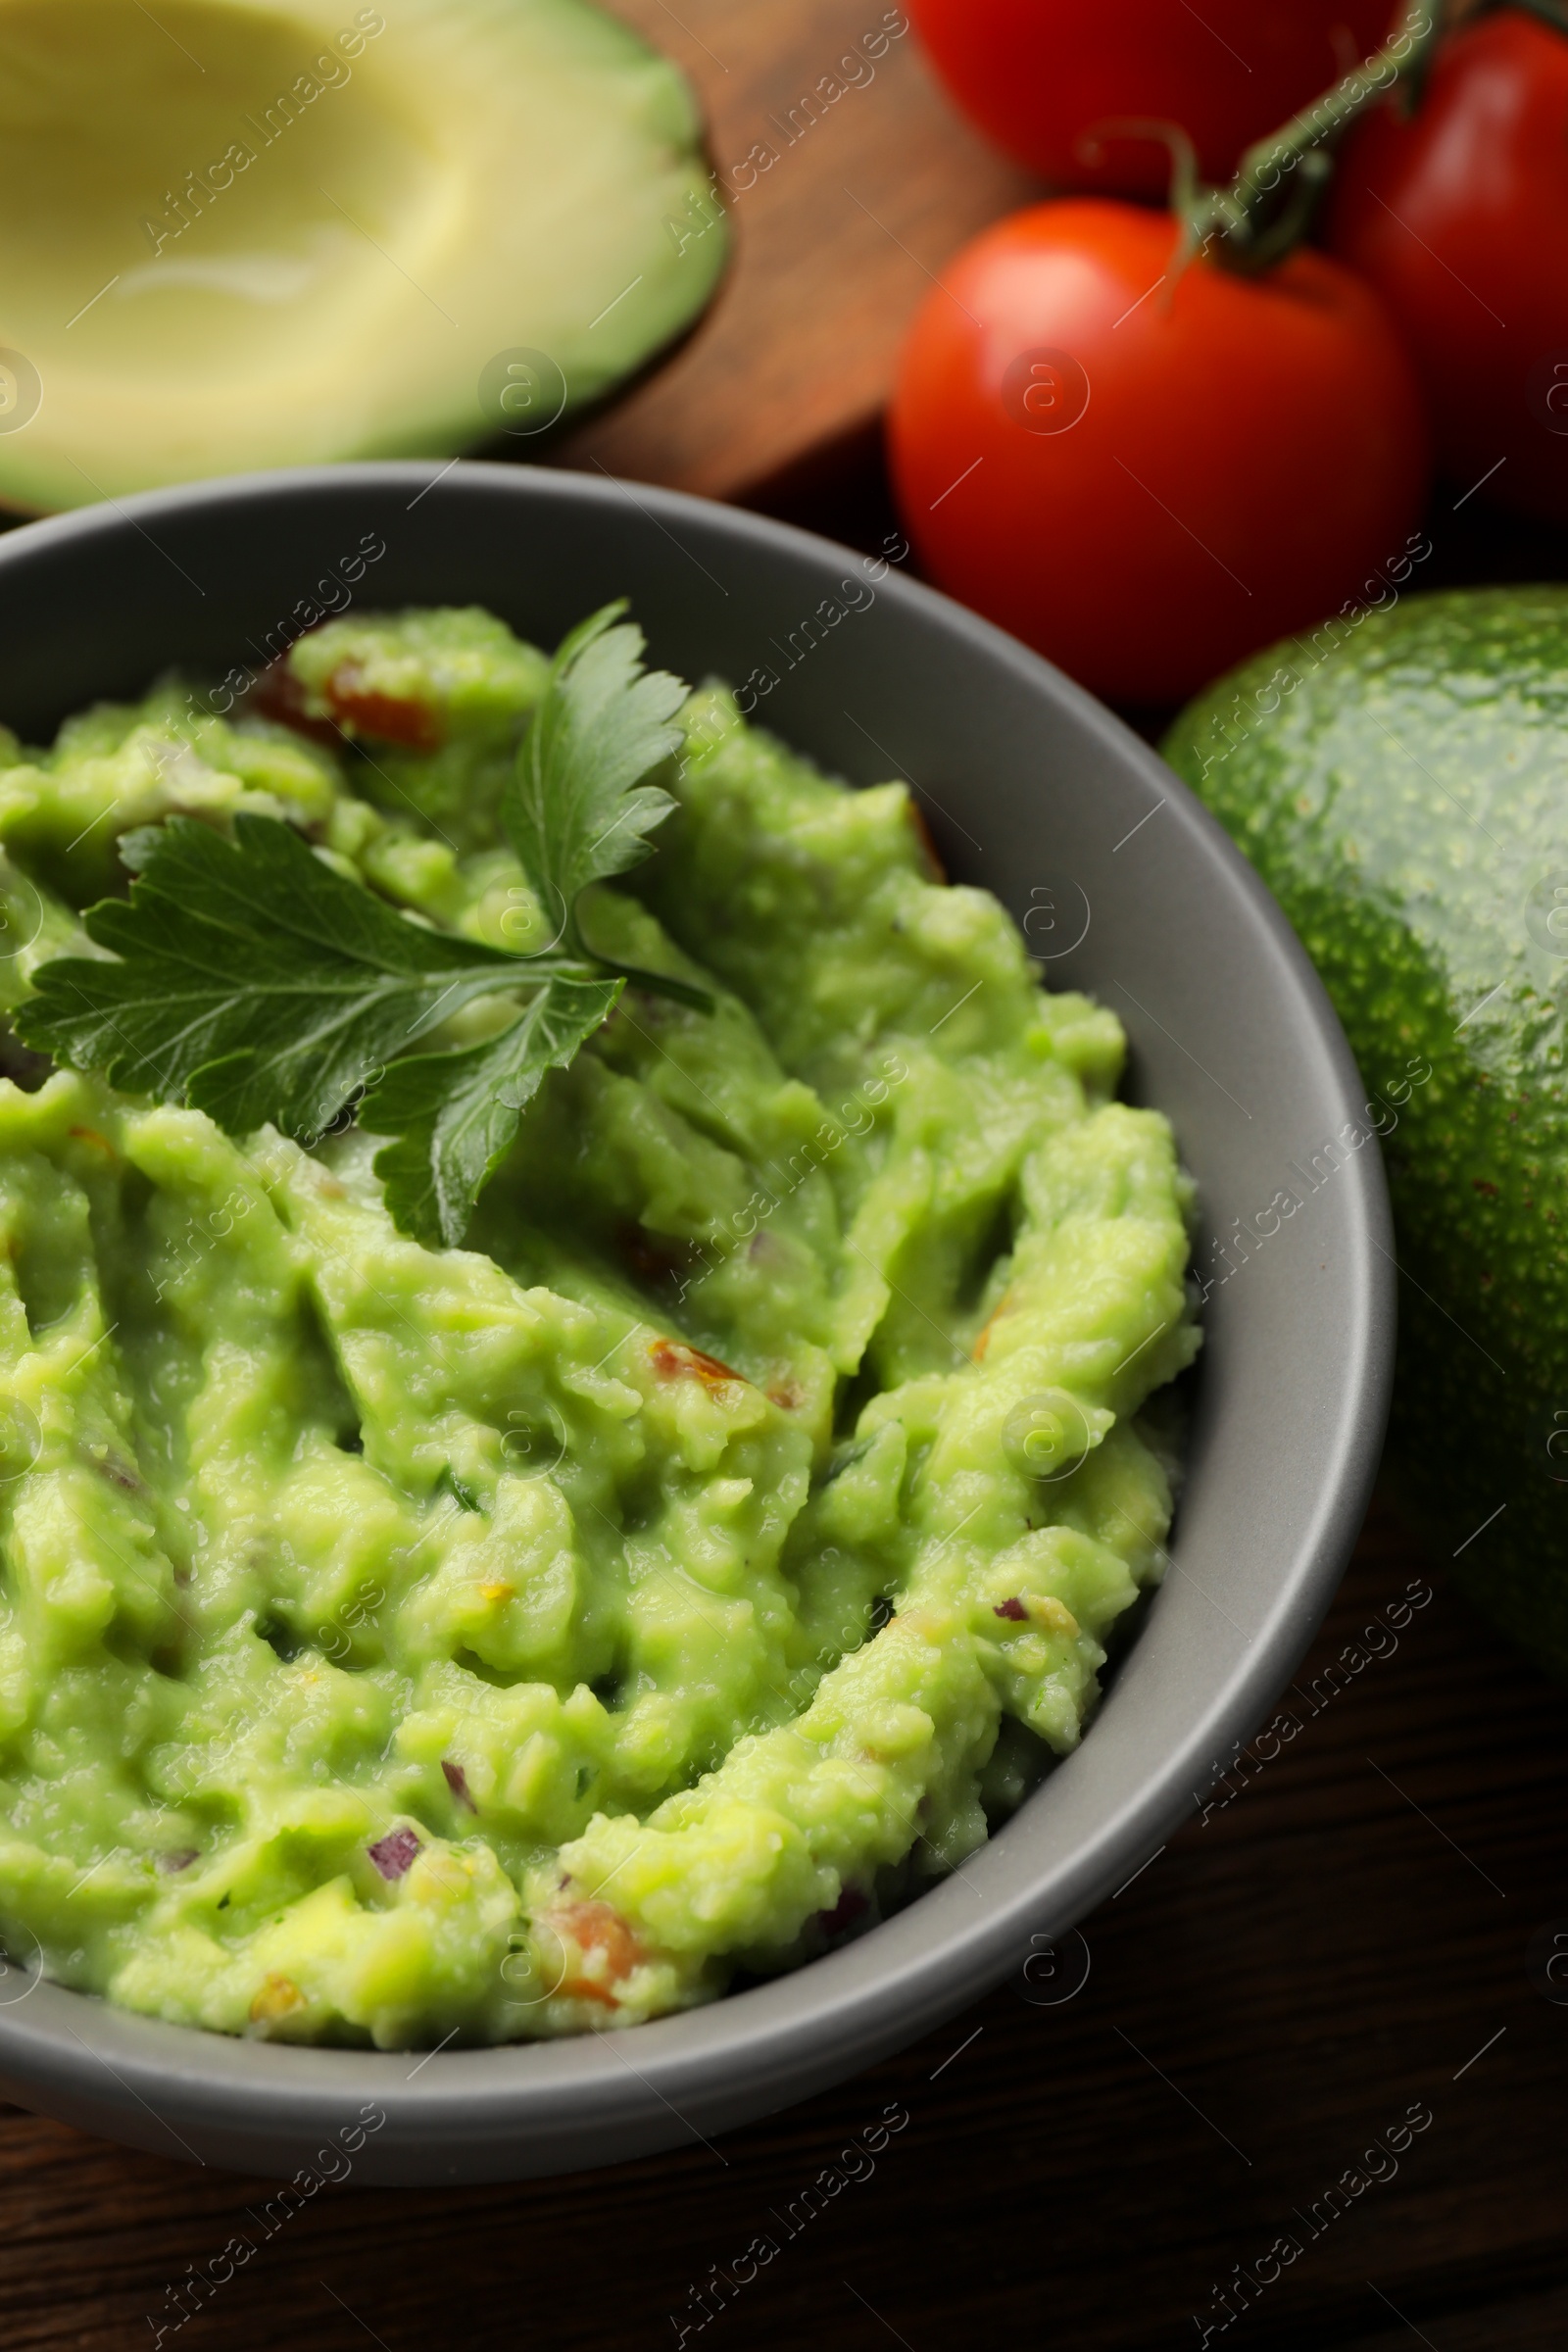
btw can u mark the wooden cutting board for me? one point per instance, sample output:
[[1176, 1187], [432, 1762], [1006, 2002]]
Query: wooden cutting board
[[853, 179]]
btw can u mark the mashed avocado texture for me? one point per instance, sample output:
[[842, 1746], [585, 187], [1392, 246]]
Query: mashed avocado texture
[[504, 1641]]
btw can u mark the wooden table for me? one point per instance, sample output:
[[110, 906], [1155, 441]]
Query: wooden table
[[1343, 1941], [836, 240]]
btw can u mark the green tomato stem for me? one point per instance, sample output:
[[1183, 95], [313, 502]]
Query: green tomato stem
[[1268, 207], [1550, 11]]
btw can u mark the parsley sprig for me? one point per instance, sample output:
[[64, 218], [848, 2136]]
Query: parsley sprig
[[254, 981]]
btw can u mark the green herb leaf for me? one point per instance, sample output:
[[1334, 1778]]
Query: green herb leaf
[[253, 981], [575, 809], [462, 1494], [456, 1115]]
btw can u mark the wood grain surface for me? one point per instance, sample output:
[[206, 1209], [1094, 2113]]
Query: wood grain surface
[[836, 238], [1343, 1941]]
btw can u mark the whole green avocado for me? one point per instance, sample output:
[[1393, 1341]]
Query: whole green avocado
[[1401, 783]]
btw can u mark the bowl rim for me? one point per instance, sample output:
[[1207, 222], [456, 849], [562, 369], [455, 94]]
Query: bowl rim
[[741, 2056]]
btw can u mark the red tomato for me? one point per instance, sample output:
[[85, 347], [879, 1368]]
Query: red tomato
[[1148, 479], [1037, 75], [1459, 216]]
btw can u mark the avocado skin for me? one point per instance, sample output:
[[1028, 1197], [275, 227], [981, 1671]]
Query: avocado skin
[[1401, 783]]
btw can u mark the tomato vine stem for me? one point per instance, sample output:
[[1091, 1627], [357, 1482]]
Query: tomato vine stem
[[1268, 207], [1550, 11]]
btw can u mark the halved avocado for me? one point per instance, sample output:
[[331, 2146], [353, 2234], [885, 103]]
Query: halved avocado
[[236, 236]]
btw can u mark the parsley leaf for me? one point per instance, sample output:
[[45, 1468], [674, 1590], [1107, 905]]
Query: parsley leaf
[[570, 810], [455, 1115], [252, 979]]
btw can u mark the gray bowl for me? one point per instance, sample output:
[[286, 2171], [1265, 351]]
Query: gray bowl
[[1127, 888]]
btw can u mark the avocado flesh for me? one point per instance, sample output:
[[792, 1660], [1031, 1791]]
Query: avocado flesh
[[1407, 801], [477, 177]]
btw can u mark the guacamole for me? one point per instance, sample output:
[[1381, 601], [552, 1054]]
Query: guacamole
[[497, 1642]]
